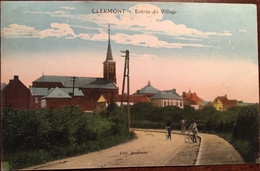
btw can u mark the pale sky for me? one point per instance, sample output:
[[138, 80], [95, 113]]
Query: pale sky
[[208, 48]]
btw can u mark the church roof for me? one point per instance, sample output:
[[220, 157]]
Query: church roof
[[80, 82]]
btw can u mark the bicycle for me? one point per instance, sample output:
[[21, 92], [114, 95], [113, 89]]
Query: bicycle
[[188, 137]]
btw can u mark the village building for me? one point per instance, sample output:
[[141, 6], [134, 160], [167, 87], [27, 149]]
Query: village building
[[191, 99], [222, 103], [15, 95], [148, 90], [161, 98], [84, 92], [167, 98], [55, 92], [133, 99]]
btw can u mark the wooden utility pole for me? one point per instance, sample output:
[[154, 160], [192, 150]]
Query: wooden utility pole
[[126, 74], [73, 85]]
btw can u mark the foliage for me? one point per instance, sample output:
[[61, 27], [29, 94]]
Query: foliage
[[238, 125], [245, 134], [31, 137]]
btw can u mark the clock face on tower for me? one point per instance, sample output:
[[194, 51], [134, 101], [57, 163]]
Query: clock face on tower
[[111, 68]]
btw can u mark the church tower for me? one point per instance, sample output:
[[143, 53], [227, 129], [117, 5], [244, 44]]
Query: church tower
[[109, 63]]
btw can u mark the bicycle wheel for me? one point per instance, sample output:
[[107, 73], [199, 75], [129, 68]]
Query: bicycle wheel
[[186, 138]]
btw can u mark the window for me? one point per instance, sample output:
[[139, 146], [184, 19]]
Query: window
[[36, 99], [43, 104]]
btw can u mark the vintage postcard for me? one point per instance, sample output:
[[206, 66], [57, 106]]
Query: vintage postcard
[[90, 84]]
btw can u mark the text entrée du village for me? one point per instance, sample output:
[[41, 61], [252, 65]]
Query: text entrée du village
[[136, 11]]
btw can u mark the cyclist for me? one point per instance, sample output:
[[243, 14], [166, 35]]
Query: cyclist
[[194, 129]]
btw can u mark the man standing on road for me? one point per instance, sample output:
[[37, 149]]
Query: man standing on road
[[194, 129], [183, 126], [169, 129]]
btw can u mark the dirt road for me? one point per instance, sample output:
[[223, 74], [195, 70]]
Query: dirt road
[[148, 149]]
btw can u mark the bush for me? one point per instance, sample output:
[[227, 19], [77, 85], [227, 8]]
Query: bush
[[245, 135], [36, 136], [147, 124]]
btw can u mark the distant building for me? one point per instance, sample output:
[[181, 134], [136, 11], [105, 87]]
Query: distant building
[[161, 98], [133, 99], [167, 98], [15, 95], [222, 103], [148, 91], [83, 92], [55, 92], [191, 99], [3, 85]]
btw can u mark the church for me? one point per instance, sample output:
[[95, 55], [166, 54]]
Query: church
[[55, 92]]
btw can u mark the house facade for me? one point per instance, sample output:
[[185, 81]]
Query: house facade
[[191, 99], [222, 103], [15, 95], [167, 98]]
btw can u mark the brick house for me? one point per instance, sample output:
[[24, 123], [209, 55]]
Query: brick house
[[15, 95]]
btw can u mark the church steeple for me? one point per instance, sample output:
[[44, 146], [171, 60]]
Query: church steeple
[[109, 63], [109, 51]]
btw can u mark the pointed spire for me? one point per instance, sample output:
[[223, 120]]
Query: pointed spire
[[149, 83], [109, 51], [108, 32]]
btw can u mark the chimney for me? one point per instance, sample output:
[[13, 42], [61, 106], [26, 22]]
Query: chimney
[[16, 77]]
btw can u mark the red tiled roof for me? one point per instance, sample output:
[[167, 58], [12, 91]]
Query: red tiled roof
[[133, 98], [191, 97], [191, 102], [225, 101]]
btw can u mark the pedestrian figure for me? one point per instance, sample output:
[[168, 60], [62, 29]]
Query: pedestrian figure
[[169, 130], [194, 129], [183, 126]]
